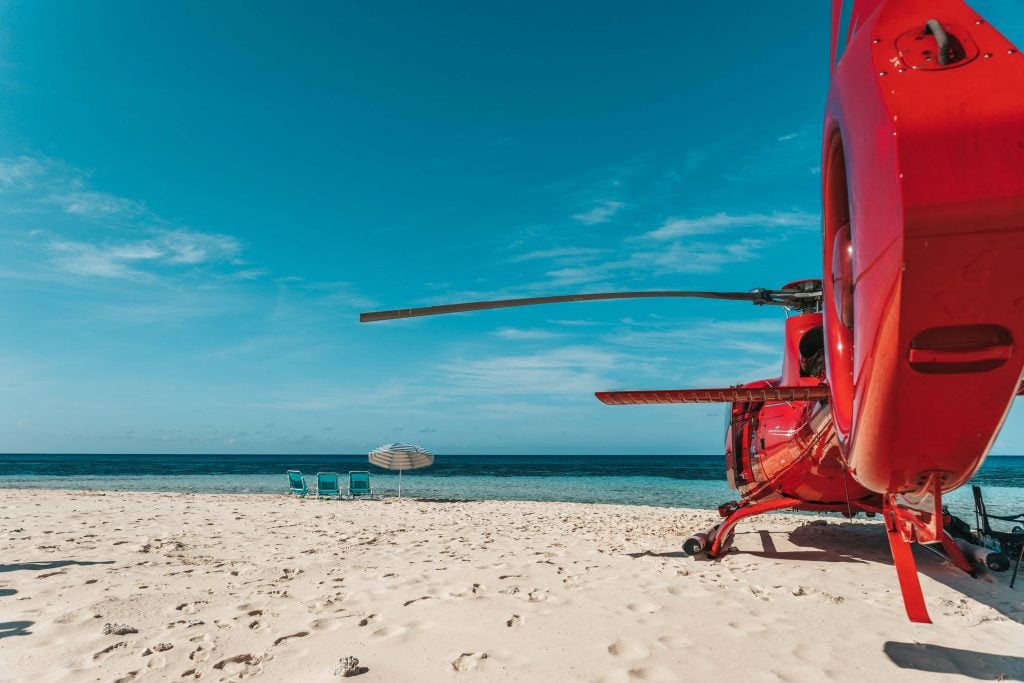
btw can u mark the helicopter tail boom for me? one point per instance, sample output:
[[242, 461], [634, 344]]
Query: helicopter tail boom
[[729, 395]]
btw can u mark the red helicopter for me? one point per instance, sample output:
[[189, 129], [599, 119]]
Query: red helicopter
[[901, 364]]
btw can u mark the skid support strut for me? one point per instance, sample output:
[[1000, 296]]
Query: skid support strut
[[724, 532], [900, 530]]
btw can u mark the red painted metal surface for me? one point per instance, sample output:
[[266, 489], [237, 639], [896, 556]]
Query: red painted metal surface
[[926, 165], [748, 510], [922, 317], [923, 306], [730, 395], [906, 567]]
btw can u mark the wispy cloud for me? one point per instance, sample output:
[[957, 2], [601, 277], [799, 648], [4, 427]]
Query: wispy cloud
[[704, 353], [723, 222], [669, 249], [524, 334], [602, 213], [575, 323], [697, 257], [705, 334], [674, 258], [568, 371], [69, 228], [19, 172], [96, 204], [785, 156], [126, 259], [338, 294], [29, 184], [560, 254]]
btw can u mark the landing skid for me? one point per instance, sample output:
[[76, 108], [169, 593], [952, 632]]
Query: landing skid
[[902, 527], [737, 513]]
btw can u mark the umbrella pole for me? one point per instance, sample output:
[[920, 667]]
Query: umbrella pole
[[399, 484]]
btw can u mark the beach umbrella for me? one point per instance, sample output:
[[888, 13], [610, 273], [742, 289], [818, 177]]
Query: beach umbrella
[[401, 456]]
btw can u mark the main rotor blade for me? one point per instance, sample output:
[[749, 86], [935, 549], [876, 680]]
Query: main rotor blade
[[729, 395], [756, 295]]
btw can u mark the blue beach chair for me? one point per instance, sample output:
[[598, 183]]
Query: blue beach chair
[[359, 484], [327, 485], [296, 484]]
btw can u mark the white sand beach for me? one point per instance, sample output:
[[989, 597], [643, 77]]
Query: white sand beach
[[233, 587]]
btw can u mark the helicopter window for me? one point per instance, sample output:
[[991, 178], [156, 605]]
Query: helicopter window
[[812, 353]]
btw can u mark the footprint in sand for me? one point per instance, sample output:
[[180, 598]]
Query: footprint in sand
[[747, 627], [409, 602], [321, 604], [515, 620], [156, 661], [830, 598], [628, 649], [643, 607], [243, 666], [191, 607], [300, 634], [200, 654], [369, 619], [327, 624], [676, 642], [390, 631], [102, 654], [468, 661], [654, 674]]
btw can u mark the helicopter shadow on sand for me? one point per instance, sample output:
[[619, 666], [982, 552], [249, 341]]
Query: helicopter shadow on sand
[[830, 541], [867, 543], [929, 658]]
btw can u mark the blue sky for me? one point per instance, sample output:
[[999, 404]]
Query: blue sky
[[197, 199]]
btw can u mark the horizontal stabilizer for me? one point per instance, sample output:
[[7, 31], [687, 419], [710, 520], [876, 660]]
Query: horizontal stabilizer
[[730, 395]]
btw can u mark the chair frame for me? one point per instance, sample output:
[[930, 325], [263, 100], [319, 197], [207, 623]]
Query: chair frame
[[299, 493], [369, 486], [337, 485], [1010, 544]]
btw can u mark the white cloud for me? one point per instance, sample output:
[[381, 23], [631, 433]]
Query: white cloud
[[723, 222], [678, 257], [340, 294], [19, 172], [602, 213], [560, 254], [91, 204], [583, 275], [696, 257], [30, 184], [567, 371], [123, 260], [754, 336], [188, 247], [525, 334], [81, 231]]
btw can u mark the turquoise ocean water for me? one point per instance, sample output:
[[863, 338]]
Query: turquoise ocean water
[[664, 480]]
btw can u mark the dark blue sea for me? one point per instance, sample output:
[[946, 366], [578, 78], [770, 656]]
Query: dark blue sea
[[665, 480]]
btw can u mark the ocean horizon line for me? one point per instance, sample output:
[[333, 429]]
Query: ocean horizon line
[[4, 454]]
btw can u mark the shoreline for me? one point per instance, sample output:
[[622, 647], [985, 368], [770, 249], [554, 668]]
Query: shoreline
[[640, 490], [481, 590]]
